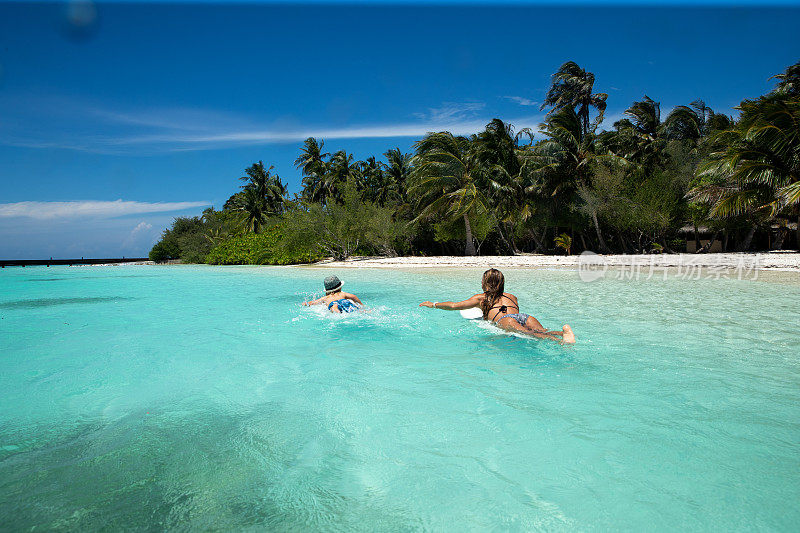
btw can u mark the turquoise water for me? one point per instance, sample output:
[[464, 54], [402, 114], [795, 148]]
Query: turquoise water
[[206, 398]]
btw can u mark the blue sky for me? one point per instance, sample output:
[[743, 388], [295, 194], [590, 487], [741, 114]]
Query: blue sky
[[116, 117]]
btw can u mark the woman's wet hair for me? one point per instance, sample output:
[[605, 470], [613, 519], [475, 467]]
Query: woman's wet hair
[[493, 285]]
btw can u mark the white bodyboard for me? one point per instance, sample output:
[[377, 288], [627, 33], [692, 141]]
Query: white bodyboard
[[473, 313]]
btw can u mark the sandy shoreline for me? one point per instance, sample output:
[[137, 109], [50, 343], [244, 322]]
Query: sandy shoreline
[[762, 261], [781, 261]]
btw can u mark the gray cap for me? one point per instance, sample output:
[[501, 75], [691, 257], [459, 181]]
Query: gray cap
[[332, 283]]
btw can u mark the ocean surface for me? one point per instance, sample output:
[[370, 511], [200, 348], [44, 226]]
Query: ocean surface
[[207, 398]]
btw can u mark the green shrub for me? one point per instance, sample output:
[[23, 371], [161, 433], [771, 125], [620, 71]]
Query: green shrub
[[166, 248], [190, 239], [185, 240], [264, 248], [355, 226]]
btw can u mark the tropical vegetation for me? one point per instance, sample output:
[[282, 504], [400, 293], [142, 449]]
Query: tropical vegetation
[[645, 185]]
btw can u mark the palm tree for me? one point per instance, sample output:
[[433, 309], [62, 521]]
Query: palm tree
[[340, 169], [640, 135], [693, 122], [447, 181], [564, 242], [263, 194], [572, 88], [253, 209], [258, 177], [562, 164], [397, 170], [313, 167], [379, 187], [252, 201], [789, 84], [645, 117], [499, 150], [756, 171], [275, 197]]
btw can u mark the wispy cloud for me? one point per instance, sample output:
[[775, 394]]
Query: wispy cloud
[[521, 100], [174, 141], [452, 111], [91, 209], [277, 136], [152, 131], [186, 119]]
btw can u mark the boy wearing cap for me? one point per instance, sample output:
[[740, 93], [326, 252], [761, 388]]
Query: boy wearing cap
[[336, 300]]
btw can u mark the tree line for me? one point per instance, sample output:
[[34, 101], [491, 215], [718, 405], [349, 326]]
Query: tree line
[[640, 187]]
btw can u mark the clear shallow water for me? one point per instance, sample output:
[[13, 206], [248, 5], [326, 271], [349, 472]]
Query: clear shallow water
[[206, 398]]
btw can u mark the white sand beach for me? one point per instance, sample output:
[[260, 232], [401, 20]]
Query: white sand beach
[[779, 261]]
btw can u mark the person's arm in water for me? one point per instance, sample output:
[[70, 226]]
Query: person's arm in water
[[315, 302], [469, 303]]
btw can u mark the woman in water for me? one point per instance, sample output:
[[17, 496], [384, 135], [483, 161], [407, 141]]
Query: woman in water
[[336, 300], [502, 308]]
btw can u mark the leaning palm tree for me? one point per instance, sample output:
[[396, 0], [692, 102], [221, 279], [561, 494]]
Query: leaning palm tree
[[563, 161], [572, 88], [447, 181], [789, 81], [562, 165], [645, 116], [564, 242], [690, 123], [641, 134], [756, 170]]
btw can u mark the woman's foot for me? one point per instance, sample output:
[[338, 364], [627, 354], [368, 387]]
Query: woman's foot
[[569, 336]]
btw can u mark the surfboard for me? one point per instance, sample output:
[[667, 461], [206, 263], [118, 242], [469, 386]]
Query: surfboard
[[473, 313]]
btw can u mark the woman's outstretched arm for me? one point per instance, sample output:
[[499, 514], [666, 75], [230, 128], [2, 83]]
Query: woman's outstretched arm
[[469, 303]]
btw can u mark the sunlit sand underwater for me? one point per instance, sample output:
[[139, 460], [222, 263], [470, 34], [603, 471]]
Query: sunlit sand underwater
[[207, 398]]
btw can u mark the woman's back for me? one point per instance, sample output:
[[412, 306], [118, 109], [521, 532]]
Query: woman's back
[[505, 304]]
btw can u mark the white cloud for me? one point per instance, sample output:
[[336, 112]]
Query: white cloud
[[180, 142], [352, 132], [521, 100], [173, 141], [141, 226], [154, 130], [90, 209], [142, 233], [451, 111]]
